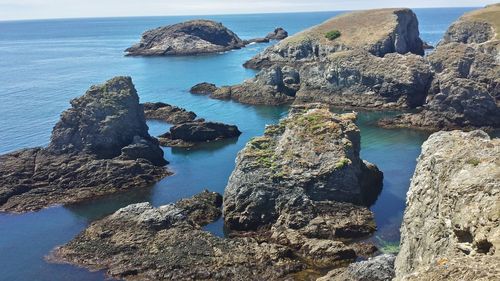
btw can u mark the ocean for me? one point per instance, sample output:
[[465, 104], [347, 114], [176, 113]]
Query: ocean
[[46, 63]]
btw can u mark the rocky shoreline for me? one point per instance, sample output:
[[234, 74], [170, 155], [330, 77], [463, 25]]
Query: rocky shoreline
[[100, 146]]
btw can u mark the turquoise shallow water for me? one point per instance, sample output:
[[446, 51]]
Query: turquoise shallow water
[[43, 64]]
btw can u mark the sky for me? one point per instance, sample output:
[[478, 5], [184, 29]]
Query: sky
[[43, 9]]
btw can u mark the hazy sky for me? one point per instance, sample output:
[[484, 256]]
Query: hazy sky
[[35, 9]]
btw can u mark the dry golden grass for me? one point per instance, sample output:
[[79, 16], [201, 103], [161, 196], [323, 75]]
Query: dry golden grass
[[357, 29], [490, 15]]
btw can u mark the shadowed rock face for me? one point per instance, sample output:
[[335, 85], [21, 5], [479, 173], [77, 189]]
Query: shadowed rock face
[[450, 228], [465, 93], [191, 133], [100, 146], [310, 157], [140, 242]]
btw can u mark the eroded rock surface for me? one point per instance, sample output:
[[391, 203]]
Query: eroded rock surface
[[140, 242], [100, 146], [190, 133], [168, 113], [379, 268], [451, 227], [465, 93]]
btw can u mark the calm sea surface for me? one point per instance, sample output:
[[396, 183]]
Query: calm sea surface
[[45, 63]]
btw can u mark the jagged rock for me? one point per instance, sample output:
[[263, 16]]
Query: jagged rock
[[203, 88], [465, 93], [188, 38], [450, 228], [276, 85], [140, 242], [191, 133], [377, 31], [168, 113], [100, 146], [278, 34], [359, 79], [379, 268]]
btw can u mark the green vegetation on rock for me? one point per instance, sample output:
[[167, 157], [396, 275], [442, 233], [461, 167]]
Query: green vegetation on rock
[[333, 34]]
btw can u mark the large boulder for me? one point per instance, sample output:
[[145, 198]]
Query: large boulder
[[190, 133], [140, 242], [379, 268], [450, 228], [168, 113], [465, 93], [100, 146], [377, 31], [192, 37]]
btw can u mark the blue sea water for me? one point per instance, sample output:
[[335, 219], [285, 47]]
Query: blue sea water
[[45, 63]]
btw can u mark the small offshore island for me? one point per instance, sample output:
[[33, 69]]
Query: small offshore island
[[297, 204]]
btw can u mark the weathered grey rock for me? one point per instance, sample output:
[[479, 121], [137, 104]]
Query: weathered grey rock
[[377, 31], [100, 146], [140, 242], [168, 113], [379, 268], [278, 34], [466, 88], [188, 38], [191, 133], [311, 156], [450, 229], [203, 88], [275, 85]]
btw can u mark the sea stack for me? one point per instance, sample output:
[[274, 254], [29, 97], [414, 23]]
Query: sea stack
[[101, 145]]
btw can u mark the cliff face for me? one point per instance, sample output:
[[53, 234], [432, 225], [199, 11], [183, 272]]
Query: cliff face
[[377, 31], [101, 145], [451, 227], [465, 92]]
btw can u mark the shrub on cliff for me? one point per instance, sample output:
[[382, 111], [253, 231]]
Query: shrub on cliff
[[333, 34]]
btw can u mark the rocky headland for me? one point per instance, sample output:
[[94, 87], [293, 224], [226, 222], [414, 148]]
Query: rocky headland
[[194, 37], [101, 145], [375, 62], [451, 227], [465, 92]]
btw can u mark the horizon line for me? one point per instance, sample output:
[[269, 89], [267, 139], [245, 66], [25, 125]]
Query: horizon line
[[217, 14]]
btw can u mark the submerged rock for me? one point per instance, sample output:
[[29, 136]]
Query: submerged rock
[[100, 146], [140, 242], [465, 92], [190, 133], [450, 228], [168, 113]]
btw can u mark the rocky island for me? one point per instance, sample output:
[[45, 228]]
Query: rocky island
[[451, 227], [465, 92], [168, 113], [100, 146], [194, 37], [291, 214]]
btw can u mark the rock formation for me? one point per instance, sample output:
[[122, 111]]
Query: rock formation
[[377, 31], [278, 34], [168, 113], [466, 90], [190, 133], [100, 146], [140, 242], [194, 37], [203, 88], [380, 268], [375, 63], [451, 227]]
